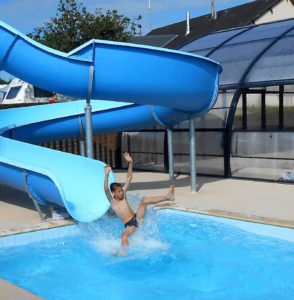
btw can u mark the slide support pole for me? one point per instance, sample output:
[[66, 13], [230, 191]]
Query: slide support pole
[[88, 116], [82, 138], [170, 153], [192, 155], [82, 147], [36, 204]]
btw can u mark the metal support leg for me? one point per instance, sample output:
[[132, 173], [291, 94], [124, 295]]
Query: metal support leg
[[88, 116], [82, 138], [89, 130], [170, 153], [192, 155], [38, 209], [82, 147]]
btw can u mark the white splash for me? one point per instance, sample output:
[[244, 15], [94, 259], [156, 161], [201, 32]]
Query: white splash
[[104, 234]]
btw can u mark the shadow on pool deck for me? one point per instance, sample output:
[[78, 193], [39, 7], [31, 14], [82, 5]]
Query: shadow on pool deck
[[18, 214], [242, 199], [20, 199], [179, 181], [257, 201], [264, 202]]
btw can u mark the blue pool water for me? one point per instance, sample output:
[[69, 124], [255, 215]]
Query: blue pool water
[[175, 255]]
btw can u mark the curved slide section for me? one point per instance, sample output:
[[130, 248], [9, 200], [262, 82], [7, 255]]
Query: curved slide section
[[176, 84], [123, 72]]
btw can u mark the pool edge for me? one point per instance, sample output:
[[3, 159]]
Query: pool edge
[[6, 233], [227, 216], [9, 290]]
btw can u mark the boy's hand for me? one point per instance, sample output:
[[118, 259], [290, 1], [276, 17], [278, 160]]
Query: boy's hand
[[127, 157], [107, 169]]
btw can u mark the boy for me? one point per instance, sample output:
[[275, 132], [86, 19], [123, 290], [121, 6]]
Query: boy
[[54, 99], [121, 206]]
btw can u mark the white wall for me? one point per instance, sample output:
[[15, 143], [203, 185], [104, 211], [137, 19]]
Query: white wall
[[283, 10]]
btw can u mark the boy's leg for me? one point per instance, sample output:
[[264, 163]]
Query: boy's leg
[[152, 200], [127, 232]]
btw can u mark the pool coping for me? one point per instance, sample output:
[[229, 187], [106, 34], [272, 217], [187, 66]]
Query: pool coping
[[215, 188], [215, 213], [168, 207], [227, 215], [38, 227], [12, 291]]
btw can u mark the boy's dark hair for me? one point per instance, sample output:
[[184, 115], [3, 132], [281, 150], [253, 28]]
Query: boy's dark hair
[[114, 186]]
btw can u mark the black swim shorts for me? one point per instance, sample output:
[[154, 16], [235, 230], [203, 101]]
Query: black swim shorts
[[132, 222]]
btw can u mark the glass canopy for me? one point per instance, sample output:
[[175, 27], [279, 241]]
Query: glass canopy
[[257, 55]]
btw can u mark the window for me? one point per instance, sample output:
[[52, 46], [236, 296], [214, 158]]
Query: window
[[239, 122], [2, 95], [40, 93], [13, 92], [254, 117], [289, 88], [274, 88], [272, 111], [288, 111]]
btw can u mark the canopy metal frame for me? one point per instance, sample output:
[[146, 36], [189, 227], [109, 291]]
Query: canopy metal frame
[[241, 84]]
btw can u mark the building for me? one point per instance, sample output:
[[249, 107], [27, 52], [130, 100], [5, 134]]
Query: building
[[250, 131], [175, 35]]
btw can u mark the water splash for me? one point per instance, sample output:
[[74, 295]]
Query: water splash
[[104, 234]]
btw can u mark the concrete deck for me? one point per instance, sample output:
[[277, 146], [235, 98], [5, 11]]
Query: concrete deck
[[242, 199], [255, 201], [18, 214], [264, 202], [9, 291]]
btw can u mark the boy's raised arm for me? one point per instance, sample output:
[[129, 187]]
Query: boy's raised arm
[[107, 170], [130, 170]]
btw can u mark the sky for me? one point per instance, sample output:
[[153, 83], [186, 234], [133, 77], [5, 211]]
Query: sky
[[25, 15]]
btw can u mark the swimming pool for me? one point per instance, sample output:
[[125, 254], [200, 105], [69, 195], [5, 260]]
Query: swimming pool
[[176, 255]]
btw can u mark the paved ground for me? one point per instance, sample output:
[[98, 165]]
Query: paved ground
[[18, 214], [257, 201], [9, 291], [271, 203]]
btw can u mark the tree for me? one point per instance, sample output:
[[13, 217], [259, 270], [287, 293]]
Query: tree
[[73, 25], [2, 81]]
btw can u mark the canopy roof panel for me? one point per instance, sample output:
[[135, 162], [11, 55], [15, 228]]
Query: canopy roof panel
[[255, 55]]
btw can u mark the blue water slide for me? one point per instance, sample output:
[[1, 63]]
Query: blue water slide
[[135, 87]]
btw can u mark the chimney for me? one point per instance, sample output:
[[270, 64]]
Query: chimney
[[213, 12], [187, 23], [140, 29]]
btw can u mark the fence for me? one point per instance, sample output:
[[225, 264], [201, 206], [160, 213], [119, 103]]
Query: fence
[[106, 146]]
